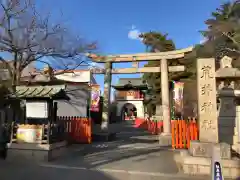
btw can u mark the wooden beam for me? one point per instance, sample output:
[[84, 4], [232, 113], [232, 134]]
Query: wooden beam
[[102, 59], [140, 56], [180, 51], [139, 70]]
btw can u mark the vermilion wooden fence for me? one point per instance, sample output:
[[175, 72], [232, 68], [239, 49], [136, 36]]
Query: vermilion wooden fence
[[154, 127], [79, 129], [183, 132], [140, 123]]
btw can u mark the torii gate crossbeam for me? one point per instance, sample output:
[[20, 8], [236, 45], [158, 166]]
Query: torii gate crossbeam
[[163, 57]]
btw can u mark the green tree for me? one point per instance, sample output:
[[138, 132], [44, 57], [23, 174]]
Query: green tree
[[223, 32], [155, 42], [158, 42], [222, 38]]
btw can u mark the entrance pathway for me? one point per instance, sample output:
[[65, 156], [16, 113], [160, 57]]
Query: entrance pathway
[[132, 156], [27, 172], [123, 157]]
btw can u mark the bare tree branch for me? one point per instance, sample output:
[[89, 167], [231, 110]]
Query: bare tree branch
[[29, 37]]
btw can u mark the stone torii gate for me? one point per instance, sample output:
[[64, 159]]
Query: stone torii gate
[[163, 57]]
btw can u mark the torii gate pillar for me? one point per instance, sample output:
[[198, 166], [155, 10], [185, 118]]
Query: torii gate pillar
[[107, 95], [165, 139]]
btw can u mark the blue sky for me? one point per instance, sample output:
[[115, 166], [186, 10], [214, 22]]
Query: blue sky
[[109, 21]]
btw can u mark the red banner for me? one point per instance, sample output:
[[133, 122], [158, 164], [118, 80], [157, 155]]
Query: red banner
[[178, 98], [95, 98]]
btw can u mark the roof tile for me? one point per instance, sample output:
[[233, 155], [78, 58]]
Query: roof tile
[[38, 91]]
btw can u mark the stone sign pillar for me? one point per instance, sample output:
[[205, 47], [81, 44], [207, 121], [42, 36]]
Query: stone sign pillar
[[207, 104], [207, 112], [212, 129], [106, 95], [198, 158], [165, 137]]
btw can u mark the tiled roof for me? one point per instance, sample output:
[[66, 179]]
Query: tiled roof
[[38, 91]]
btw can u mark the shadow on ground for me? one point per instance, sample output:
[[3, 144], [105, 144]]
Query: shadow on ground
[[133, 155], [12, 171], [132, 150]]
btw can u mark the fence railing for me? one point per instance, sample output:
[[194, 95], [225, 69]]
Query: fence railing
[[154, 127], [183, 131], [78, 129], [72, 129]]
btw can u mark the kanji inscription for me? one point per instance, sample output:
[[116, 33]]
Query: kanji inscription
[[207, 124], [206, 72], [207, 105], [206, 89]]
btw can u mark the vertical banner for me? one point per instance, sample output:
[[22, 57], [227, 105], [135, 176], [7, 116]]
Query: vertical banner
[[95, 98], [178, 99]]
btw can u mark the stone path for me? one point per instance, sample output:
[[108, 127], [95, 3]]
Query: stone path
[[124, 163], [133, 156], [25, 172], [123, 158]]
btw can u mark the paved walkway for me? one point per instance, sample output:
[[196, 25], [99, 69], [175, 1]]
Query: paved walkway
[[133, 156], [128, 157], [125, 163], [27, 172]]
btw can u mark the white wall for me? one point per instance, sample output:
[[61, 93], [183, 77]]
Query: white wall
[[77, 76], [78, 103]]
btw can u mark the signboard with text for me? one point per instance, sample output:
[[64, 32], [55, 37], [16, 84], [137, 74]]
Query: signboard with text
[[178, 98], [95, 98]]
